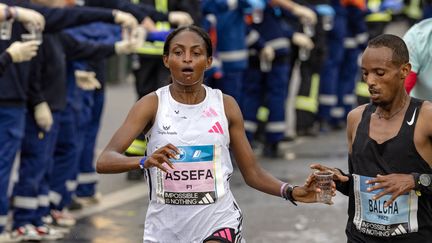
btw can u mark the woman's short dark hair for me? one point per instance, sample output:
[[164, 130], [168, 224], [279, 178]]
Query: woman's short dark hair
[[199, 31], [395, 43]]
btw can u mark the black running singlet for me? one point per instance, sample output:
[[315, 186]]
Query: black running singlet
[[409, 218]]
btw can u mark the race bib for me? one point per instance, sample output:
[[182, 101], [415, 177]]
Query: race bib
[[193, 182], [372, 218]]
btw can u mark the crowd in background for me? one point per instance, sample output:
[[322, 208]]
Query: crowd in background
[[53, 72]]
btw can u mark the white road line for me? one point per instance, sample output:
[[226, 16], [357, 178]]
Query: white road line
[[114, 199]]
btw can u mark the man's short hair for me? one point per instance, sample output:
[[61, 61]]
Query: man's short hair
[[395, 43]]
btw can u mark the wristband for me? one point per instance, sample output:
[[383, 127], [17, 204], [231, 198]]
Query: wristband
[[282, 190], [142, 162], [287, 190]]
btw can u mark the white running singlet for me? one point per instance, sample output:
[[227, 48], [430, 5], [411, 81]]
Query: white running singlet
[[194, 200]]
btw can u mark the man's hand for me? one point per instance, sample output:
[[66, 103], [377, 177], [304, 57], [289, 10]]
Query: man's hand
[[43, 116], [126, 20], [86, 80], [305, 14], [179, 18], [23, 51], [302, 40], [394, 184], [337, 175], [29, 17]]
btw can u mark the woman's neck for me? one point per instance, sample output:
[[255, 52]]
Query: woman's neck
[[188, 94]]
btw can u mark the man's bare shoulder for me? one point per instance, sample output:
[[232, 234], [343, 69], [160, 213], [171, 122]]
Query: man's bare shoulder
[[426, 112], [427, 108], [355, 114]]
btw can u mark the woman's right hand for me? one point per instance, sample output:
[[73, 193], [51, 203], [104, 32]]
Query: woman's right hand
[[161, 156], [337, 175]]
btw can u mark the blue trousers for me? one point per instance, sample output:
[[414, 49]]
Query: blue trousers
[[91, 114], [65, 159], [329, 83], [12, 122], [32, 189], [270, 90]]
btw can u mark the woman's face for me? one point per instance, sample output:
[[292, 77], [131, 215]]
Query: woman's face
[[187, 58]]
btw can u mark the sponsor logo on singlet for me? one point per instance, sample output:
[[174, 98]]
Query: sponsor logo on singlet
[[166, 130], [193, 182], [372, 218]]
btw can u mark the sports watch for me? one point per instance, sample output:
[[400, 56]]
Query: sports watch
[[425, 180]]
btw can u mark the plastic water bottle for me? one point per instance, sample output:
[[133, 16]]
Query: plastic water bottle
[[6, 30], [257, 16], [304, 54], [309, 29], [327, 22], [135, 62]]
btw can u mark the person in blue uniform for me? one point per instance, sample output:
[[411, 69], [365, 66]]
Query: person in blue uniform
[[14, 84]]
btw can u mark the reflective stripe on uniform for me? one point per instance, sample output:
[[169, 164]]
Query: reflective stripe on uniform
[[349, 99], [151, 48], [362, 89], [55, 197], [71, 185], [276, 126], [252, 37], [337, 112], [233, 56], [25, 202], [413, 9], [216, 63], [309, 103], [156, 47], [138, 147], [161, 6], [328, 100], [374, 5], [250, 126], [262, 114], [379, 17], [3, 220], [279, 43], [362, 38], [86, 178], [43, 200], [350, 43], [376, 15]]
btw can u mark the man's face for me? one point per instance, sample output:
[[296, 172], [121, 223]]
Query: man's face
[[50, 3], [384, 78]]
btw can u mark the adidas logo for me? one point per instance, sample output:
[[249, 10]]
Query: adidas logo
[[207, 199], [216, 128], [210, 112], [399, 230]]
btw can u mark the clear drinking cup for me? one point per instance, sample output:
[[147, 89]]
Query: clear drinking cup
[[6, 29], [34, 33], [324, 182]]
